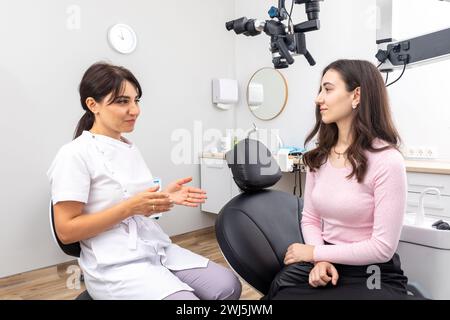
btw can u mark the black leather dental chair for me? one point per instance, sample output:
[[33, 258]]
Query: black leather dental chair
[[73, 249], [255, 228]]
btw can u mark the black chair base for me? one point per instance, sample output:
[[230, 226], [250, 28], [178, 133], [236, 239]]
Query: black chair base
[[84, 296], [413, 291]]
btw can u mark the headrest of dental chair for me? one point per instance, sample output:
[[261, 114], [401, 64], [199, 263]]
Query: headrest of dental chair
[[252, 165]]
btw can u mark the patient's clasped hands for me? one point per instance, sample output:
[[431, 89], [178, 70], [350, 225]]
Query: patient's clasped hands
[[298, 252], [322, 273]]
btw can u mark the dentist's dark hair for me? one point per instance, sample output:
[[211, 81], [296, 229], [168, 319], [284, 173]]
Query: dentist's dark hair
[[372, 119], [98, 81]]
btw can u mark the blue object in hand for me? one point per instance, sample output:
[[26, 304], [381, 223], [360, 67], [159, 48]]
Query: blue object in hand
[[159, 183]]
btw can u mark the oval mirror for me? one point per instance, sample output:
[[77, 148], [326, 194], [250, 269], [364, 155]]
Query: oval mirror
[[267, 93]]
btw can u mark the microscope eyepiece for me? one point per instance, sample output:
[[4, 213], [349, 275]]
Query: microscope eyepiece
[[312, 10], [229, 25], [238, 25], [249, 27]]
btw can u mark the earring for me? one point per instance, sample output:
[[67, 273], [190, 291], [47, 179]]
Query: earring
[[354, 106]]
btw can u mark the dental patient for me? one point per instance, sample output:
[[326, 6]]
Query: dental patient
[[355, 195]]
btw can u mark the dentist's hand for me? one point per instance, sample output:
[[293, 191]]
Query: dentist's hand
[[322, 273], [149, 202], [184, 195]]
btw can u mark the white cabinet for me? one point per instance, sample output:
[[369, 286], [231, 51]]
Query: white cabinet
[[216, 179], [417, 182]]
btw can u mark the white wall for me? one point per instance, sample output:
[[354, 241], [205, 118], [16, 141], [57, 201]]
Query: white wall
[[347, 31], [420, 99], [182, 46]]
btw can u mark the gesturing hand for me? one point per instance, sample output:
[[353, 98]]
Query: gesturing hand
[[149, 202], [184, 195]]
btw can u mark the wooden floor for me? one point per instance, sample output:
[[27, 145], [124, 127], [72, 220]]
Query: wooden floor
[[51, 283]]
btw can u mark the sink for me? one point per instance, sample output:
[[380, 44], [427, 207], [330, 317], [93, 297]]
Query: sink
[[425, 256], [424, 234]]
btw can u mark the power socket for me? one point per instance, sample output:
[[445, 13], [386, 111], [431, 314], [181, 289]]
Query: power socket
[[421, 152]]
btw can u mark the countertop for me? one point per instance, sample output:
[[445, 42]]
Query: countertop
[[421, 166]]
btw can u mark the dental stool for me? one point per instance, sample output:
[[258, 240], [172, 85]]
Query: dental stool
[[255, 228], [73, 249]]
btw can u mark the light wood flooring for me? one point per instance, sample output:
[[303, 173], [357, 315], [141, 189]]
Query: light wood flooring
[[51, 283]]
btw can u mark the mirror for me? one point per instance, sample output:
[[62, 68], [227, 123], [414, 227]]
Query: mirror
[[267, 93]]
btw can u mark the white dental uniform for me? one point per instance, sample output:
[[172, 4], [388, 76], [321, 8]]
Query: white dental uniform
[[131, 260]]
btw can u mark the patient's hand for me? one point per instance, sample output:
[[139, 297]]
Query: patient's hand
[[322, 273], [298, 252], [184, 195]]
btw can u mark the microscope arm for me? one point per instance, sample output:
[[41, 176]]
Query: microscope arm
[[428, 48]]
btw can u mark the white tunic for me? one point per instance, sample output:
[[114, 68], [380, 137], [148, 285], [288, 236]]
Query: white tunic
[[131, 260]]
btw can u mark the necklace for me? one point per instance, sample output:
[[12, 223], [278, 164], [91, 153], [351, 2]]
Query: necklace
[[339, 153]]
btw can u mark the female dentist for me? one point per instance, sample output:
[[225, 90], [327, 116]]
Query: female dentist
[[103, 196]]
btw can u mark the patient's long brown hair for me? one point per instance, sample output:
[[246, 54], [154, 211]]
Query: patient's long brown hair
[[372, 120]]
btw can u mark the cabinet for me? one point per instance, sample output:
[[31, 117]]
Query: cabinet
[[217, 180]]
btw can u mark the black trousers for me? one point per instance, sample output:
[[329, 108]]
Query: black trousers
[[383, 281]]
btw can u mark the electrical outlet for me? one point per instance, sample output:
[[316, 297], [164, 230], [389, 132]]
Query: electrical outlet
[[421, 152], [410, 152], [431, 153]]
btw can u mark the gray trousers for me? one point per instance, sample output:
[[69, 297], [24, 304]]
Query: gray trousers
[[211, 283]]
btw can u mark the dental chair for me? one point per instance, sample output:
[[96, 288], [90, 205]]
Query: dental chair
[[73, 249], [255, 228]]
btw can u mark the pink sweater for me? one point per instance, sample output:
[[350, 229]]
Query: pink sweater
[[364, 220]]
